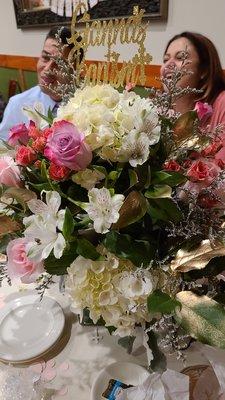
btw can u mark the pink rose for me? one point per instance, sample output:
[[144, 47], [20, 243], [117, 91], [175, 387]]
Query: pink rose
[[204, 110], [9, 172], [203, 171], [66, 147], [18, 134], [19, 265]]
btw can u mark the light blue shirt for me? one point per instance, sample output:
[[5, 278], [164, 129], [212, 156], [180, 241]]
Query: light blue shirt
[[14, 115]]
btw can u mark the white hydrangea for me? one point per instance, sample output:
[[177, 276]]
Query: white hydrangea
[[110, 288], [107, 118], [88, 178]]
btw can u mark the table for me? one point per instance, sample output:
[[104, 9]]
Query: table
[[78, 357]]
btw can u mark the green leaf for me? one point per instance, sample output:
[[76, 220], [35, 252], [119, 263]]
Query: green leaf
[[68, 224], [50, 115], [4, 241], [171, 178], [43, 186], [113, 175], [58, 266], [161, 302], [86, 249], [47, 119], [144, 175], [159, 359], [133, 177], [164, 209], [140, 252], [44, 172], [202, 318], [133, 209], [159, 191], [101, 169]]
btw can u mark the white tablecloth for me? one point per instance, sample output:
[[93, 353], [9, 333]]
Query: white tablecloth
[[85, 356]]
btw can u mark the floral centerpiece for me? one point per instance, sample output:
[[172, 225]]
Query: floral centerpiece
[[127, 199]]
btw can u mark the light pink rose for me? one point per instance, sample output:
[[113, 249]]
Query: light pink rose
[[18, 134], [66, 147], [204, 110], [9, 172], [19, 265], [203, 171]]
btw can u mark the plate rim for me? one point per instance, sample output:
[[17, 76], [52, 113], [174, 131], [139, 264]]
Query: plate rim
[[29, 299]]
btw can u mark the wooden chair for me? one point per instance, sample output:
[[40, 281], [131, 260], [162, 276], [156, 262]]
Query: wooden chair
[[13, 87]]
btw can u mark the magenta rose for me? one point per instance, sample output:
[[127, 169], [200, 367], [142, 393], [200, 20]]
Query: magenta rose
[[9, 172], [204, 110], [66, 147], [18, 134], [19, 265]]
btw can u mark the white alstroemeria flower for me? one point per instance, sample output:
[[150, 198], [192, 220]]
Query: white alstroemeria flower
[[41, 233], [32, 115], [42, 227], [135, 148], [152, 128], [103, 208], [50, 208], [134, 284]]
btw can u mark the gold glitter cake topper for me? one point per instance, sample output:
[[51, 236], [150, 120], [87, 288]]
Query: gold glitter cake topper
[[108, 33]]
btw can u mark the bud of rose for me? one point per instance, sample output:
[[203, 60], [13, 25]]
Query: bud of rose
[[38, 144], [33, 131], [25, 155], [58, 173]]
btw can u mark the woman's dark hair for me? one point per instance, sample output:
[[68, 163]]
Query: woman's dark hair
[[213, 80]]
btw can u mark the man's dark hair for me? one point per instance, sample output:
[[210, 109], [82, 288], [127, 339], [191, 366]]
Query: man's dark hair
[[64, 34]]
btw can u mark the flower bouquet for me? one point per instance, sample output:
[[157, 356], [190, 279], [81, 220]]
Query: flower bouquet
[[126, 198]]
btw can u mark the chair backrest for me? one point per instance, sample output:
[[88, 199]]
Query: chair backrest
[[13, 88]]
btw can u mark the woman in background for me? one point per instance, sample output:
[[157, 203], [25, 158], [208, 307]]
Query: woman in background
[[207, 73]]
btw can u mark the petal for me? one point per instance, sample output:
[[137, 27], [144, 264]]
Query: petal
[[53, 201], [59, 246]]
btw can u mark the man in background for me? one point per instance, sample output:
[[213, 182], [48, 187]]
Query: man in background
[[43, 92]]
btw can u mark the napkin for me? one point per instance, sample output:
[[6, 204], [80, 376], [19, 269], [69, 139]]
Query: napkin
[[216, 358], [170, 385]]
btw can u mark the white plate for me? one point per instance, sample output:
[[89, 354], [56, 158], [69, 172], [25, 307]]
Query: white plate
[[129, 373], [29, 327]]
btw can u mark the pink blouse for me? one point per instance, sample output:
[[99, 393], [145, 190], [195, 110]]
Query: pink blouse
[[218, 115]]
